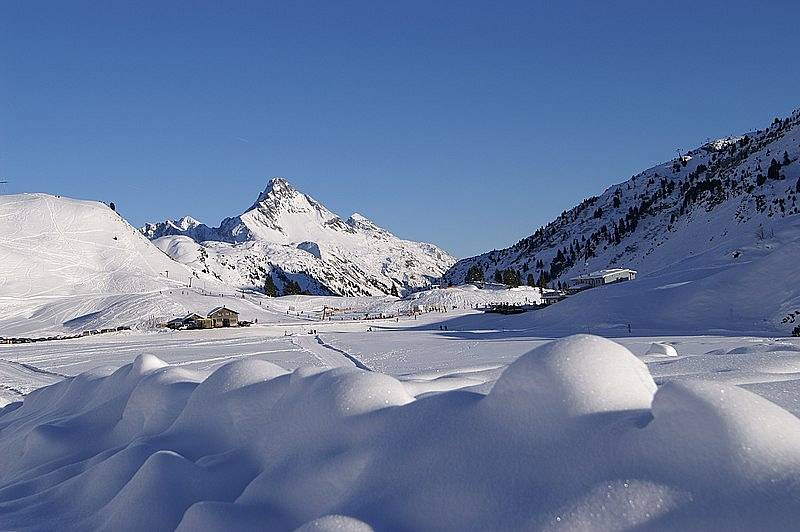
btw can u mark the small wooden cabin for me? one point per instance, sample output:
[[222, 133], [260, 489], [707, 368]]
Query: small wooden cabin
[[224, 317]]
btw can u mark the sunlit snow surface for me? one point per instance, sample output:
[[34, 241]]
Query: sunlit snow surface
[[473, 428]]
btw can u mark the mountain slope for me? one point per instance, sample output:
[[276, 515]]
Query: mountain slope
[[723, 211], [68, 266], [292, 237], [53, 246]]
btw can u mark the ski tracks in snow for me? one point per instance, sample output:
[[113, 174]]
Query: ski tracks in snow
[[329, 355]]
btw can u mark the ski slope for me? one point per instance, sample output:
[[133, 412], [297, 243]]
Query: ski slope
[[53, 247], [71, 266]]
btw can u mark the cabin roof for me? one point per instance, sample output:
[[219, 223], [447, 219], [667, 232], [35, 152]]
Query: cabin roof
[[602, 273], [217, 309]]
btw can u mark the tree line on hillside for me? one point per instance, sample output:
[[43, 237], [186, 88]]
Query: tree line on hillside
[[718, 177], [290, 287]]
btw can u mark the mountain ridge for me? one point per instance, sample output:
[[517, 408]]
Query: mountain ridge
[[294, 238], [726, 202]]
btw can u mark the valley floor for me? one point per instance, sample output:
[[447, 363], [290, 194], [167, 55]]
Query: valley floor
[[418, 352], [208, 430]]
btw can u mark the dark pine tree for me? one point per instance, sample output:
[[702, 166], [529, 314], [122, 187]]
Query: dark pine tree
[[474, 274], [511, 277], [269, 287], [774, 170], [292, 288]]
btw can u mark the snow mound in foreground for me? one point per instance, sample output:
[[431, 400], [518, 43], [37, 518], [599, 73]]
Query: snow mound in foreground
[[574, 435], [662, 349]]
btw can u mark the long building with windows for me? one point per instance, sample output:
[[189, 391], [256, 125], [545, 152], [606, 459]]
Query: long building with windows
[[600, 278]]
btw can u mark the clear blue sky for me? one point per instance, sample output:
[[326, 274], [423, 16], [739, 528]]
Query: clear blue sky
[[467, 124]]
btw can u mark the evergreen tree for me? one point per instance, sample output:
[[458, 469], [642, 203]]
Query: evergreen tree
[[531, 280], [269, 287], [544, 278], [786, 160], [498, 276], [475, 274], [511, 278], [774, 170], [292, 288], [394, 291]]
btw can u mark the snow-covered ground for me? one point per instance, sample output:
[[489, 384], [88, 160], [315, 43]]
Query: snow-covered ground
[[318, 417], [448, 420], [332, 427]]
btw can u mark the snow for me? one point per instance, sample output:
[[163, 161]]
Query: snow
[[574, 434], [290, 235], [753, 296], [661, 349], [52, 247], [720, 244], [460, 297], [71, 266], [576, 376], [319, 418]]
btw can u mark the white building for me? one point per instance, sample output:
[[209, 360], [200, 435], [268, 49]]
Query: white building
[[600, 278], [552, 296]]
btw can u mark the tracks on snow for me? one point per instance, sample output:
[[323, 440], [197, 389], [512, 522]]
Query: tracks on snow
[[347, 355]]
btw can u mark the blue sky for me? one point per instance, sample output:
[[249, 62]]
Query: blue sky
[[467, 124]]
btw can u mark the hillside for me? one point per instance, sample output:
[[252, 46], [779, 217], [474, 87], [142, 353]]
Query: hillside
[[697, 228], [293, 238], [72, 265]]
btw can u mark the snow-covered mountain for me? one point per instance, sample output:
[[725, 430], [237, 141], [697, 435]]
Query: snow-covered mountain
[[68, 266], [713, 234], [290, 236]]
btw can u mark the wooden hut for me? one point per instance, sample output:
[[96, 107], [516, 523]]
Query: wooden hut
[[224, 317]]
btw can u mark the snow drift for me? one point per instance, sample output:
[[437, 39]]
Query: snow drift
[[573, 435]]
